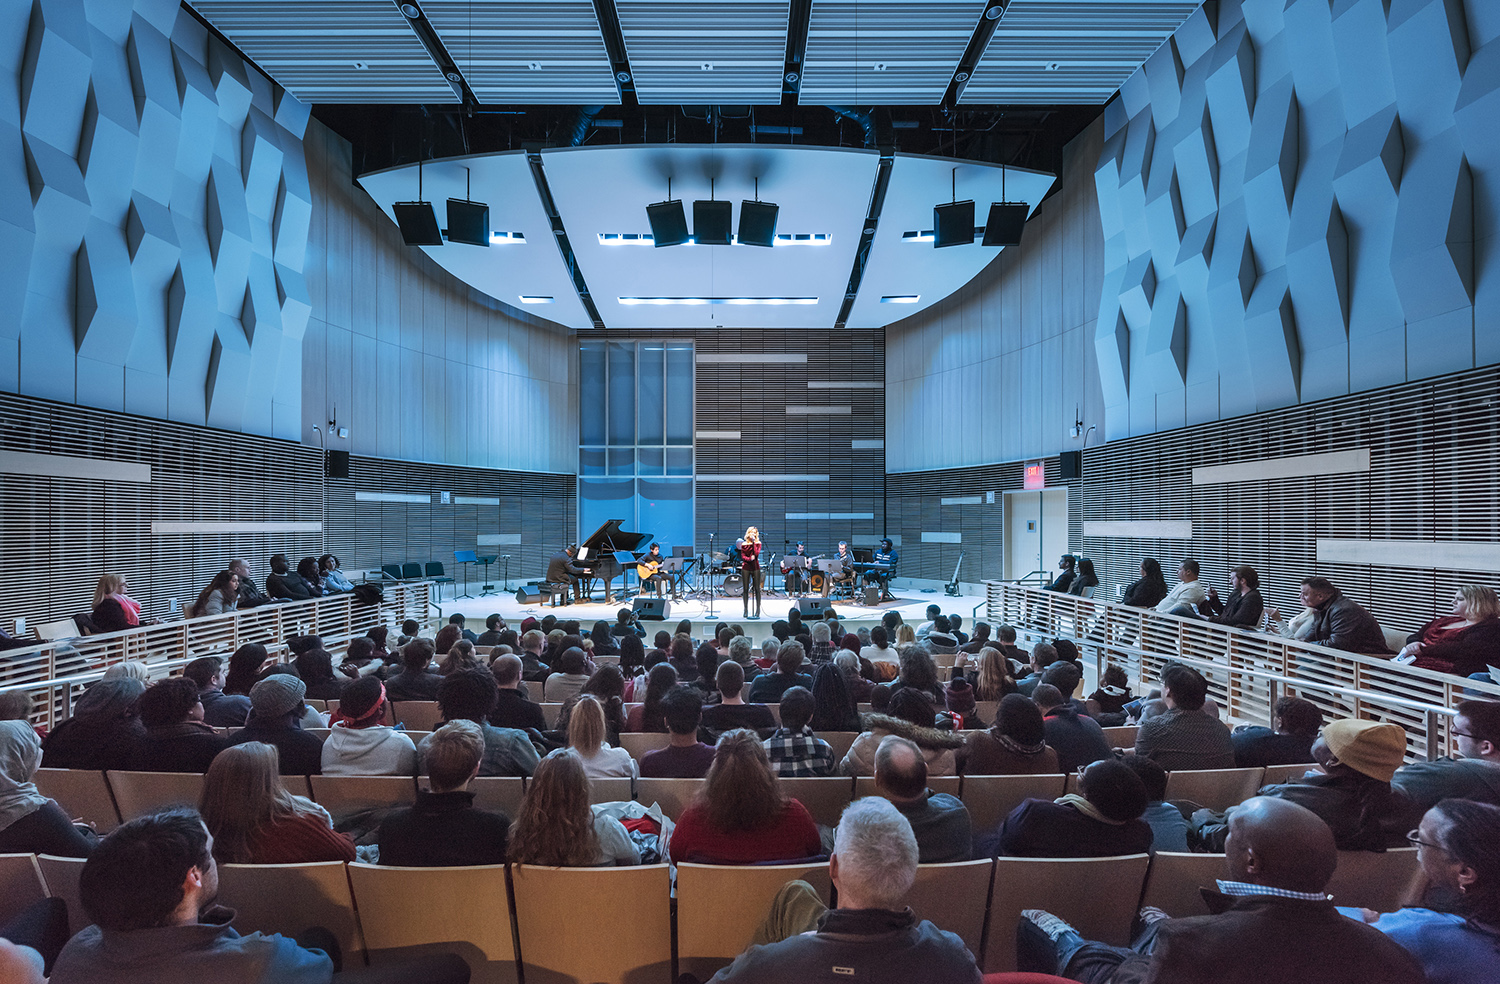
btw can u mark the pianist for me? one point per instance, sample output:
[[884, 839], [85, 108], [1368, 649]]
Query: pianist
[[562, 570]]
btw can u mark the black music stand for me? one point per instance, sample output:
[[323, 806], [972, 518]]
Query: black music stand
[[627, 561], [677, 571], [485, 589], [465, 557], [798, 562], [831, 569]]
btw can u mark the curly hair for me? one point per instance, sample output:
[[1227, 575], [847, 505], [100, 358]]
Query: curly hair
[[555, 826]]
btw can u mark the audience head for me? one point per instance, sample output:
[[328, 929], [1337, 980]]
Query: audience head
[[707, 659], [556, 824], [361, 649], [244, 667], [241, 791], [890, 620], [874, 862], [741, 650], [632, 654], [147, 873], [1246, 575], [1477, 728], [315, 666], [913, 706], [740, 791], [917, 668], [1066, 650], [506, 670], [981, 631], [410, 628], [279, 697], [1151, 570], [1296, 716], [1458, 846], [847, 662], [683, 710], [941, 624], [1046, 697], [600, 632], [850, 642], [684, 627], [880, 637], [607, 682], [1153, 776], [1043, 655], [933, 611], [110, 700], [378, 635], [417, 654], [1317, 590], [789, 658], [821, 632], [361, 701], [1183, 687], [572, 661], [451, 755], [1114, 676], [1371, 749], [446, 637], [905, 635], [900, 769], [730, 678], [132, 669], [586, 727], [172, 701], [494, 622], [1277, 843], [1064, 676], [880, 698], [1188, 571], [204, 671], [1006, 635], [468, 695], [532, 640], [1114, 789], [1020, 720], [833, 707], [797, 706], [1476, 602]]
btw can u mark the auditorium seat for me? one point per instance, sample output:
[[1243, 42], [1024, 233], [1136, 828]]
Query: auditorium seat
[[1121, 737], [406, 912], [1173, 882], [641, 742], [21, 884], [991, 798], [61, 876], [824, 798], [611, 790], [1277, 774], [839, 742], [1370, 880], [139, 793], [549, 711], [342, 796], [417, 715], [865, 785], [1099, 896], [720, 906], [499, 794], [953, 896], [986, 710], [290, 898], [1217, 789], [559, 945], [81, 793], [672, 795]]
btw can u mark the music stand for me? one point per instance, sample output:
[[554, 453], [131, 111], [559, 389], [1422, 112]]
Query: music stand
[[831, 570], [486, 588], [626, 560], [797, 562], [465, 557]]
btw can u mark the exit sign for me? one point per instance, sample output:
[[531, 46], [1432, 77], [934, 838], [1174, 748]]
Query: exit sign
[[1036, 475]]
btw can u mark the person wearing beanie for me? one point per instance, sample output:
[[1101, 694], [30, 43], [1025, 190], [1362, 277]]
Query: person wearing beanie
[[360, 744], [276, 706], [1353, 795], [958, 695]]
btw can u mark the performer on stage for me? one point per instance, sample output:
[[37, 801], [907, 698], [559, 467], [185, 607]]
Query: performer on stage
[[885, 555], [845, 578], [561, 570], [649, 570], [750, 569], [796, 577]]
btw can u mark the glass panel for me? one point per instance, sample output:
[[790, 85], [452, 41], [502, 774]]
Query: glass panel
[[622, 461], [679, 461], [653, 395], [591, 393], [679, 401], [603, 499], [651, 461], [591, 461], [621, 393], [666, 510]]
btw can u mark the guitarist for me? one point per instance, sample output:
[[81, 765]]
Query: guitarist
[[649, 570]]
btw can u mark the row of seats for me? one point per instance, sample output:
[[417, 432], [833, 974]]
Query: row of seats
[[378, 913], [106, 798]]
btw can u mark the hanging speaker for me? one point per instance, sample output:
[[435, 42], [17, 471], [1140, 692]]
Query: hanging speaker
[[1070, 465], [1005, 224], [668, 223], [758, 223], [336, 465], [953, 224], [713, 223], [468, 222], [418, 224]]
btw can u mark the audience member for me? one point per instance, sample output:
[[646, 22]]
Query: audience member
[[647, 716], [962, 710], [918, 672], [359, 743], [222, 595], [1474, 775], [740, 815], [1101, 820], [1186, 737], [30, 823], [130, 669], [1043, 655], [244, 669], [512, 709], [1149, 589], [833, 705], [276, 711], [250, 595], [940, 637], [315, 667], [793, 750], [1084, 580], [470, 695], [1338, 622], [911, 716], [1297, 724], [1014, 745], [1112, 696], [768, 688], [311, 576], [990, 675], [608, 687], [1188, 593], [871, 936], [1169, 828], [572, 673], [176, 739], [707, 666], [114, 610], [955, 627], [586, 737], [334, 581], [282, 584], [533, 667], [632, 656], [822, 645], [1465, 642], [410, 630], [980, 641], [444, 829], [1065, 575], [494, 624], [684, 658], [445, 639], [859, 688], [939, 821], [879, 650], [415, 681], [103, 731], [742, 651], [558, 828], [254, 820], [731, 712], [459, 620], [219, 710], [1244, 607], [685, 757], [1077, 738]]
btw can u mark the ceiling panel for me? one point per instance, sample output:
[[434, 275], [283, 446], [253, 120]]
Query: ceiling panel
[[705, 51], [1071, 51], [310, 47], [897, 52], [527, 51]]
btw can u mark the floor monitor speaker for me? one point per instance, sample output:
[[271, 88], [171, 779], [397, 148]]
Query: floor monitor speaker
[[650, 609], [814, 608], [871, 596], [529, 594]]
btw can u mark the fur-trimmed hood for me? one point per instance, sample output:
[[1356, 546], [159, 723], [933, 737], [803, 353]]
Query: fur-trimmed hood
[[924, 737]]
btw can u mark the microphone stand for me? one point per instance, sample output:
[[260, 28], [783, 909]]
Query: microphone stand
[[709, 571]]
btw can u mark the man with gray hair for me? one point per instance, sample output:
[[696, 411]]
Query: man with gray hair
[[1043, 655], [939, 821], [872, 934]]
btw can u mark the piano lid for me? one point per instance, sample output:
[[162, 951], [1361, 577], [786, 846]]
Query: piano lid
[[609, 538]]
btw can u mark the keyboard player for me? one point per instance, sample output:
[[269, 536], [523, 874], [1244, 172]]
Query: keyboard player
[[887, 557]]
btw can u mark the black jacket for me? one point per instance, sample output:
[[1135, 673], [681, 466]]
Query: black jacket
[[561, 568], [1144, 594], [443, 830], [1043, 829], [1340, 623], [412, 686], [1241, 610], [288, 585], [250, 595], [185, 747], [514, 711], [80, 743], [301, 753]]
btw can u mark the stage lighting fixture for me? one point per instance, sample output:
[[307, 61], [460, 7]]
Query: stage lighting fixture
[[1004, 226], [416, 219], [953, 223], [468, 222], [713, 223]]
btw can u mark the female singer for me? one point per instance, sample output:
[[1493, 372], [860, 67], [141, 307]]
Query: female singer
[[750, 569]]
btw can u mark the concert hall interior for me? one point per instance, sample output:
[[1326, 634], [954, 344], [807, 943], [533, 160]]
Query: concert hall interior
[[400, 311]]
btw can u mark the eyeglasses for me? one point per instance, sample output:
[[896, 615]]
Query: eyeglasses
[[1414, 838], [1462, 734]]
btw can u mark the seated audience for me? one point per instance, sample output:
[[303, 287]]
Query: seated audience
[[222, 595], [30, 823], [361, 657], [632, 659], [1043, 655], [731, 712], [939, 821], [608, 687], [962, 713], [415, 681], [989, 674], [793, 750], [1084, 580], [872, 935], [572, 674], [1298, 722], [445, 639], [740, 815], [586, 738], [1188, 593], [1456, 846], [409, 631], [919, 673], [276, 713], [470, 695], [1338, 622], [1474, 775], [833, 705], [1187, 736], [879, 650], [1149, 589], [512, 709], [464, 631], [859, 688], [1062, 582], [557, 827], [684, 657], [1112, 696], [311, 576], [955, 626], [742, 651], [250, 595], [911, 716], [244, 669], [114, 610], [176, 739], [1272, 921], [1014, 745], [220, 710], [1169, 828], [359, 743], [1101, 820], [315, 667], [1077, 738], [940, 638], [444, 829], [661, 679], [685, 757], [603, 639], [254, 819], [148, 890], [822, 643], [533, 667], [334, 579], [768, 687], [283, 585], [1243, 608], [1464, 642], [494, 625], [130, 669], [103, 731]]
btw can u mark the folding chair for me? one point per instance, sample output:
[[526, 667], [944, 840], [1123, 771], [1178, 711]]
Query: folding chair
[[954, 897], [21, 885], [672, 795], [824, 798], [290, 898], [140, 793], [1383, 882], [407, 912], [719, 908], [1174, 879], [556, 945], [391, 571], [61, 876], [434, 572], [81, 793], [418, 715], [1217, 789], [991, 798], [411, 571], [1099, 896]]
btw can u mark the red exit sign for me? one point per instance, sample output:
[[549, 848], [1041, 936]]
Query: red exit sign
[[1036, 475]]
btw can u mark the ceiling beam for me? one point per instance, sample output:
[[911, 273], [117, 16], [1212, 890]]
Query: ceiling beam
[[549, 205], [614, 44], [798, 19], [989, 19], [411, 10], [867, 234]]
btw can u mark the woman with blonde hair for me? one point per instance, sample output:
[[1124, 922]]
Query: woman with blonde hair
[[993, 681], [741, 816], [905, 635], [586, 732], [114, 610], [750, 569], [1464, 642], [254, 820], [558, 828]]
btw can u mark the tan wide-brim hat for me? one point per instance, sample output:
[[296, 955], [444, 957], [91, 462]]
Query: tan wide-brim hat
[[1376, 750]]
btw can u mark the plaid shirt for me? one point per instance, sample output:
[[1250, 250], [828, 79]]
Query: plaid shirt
[[800, 754], [822, 652], [1246, 888]]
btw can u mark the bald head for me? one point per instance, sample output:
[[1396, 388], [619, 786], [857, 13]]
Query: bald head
[[900, 769], [1280, 844]]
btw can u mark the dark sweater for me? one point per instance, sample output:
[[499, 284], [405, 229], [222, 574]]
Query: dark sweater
[[301, 753], [443, 830], [1077, 738], [289, 585], [1258, 746], [1240, 610], [514, 711], [690, 762], [727, 717], [1144, 594], [1044, 829], [185, 747], [82, 743], [859, 945], [412, 686]]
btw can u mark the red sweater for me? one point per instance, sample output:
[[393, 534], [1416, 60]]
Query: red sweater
[[299, 839], [791, 837]]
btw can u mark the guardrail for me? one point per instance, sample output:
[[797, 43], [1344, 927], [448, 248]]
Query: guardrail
[[61, 667], [1247, 671]]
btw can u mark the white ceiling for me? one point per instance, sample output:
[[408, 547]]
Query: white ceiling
[[606, 190], [526, 51], [888, 52], [705, 51]]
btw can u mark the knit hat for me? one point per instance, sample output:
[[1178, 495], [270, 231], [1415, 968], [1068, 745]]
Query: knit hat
[[1377, 750], [277, 695], [959, 696], [528, 623]]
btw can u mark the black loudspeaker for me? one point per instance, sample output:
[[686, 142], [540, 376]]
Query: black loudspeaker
[[1070, 465], [418, 224], [713, 223], [528, 594], [336, 465], [758, 223], [871, 596], [953, 224], [668, 223], [814, 608], [1005, 224], [650, 609], [468, 222]]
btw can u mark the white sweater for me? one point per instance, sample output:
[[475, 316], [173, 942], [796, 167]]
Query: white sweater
[[1185, 593], [377, 751]]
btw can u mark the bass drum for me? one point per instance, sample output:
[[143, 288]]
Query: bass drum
[[816, 582], [734, 585]]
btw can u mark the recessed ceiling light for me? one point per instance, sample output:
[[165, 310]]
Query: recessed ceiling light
[[534, 66], [880, 66], [361, 66], [901, 299], [507, 238], [707, 66], [699, 301], [993, 13], [535, 299], [411, 10]]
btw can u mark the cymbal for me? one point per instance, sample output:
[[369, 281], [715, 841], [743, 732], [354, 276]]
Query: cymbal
[[718, 557]]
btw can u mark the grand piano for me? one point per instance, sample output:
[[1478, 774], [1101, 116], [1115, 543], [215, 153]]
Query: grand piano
[[600, 555]]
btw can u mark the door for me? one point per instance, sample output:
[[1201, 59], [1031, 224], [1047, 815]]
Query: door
[[1036, 531]]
